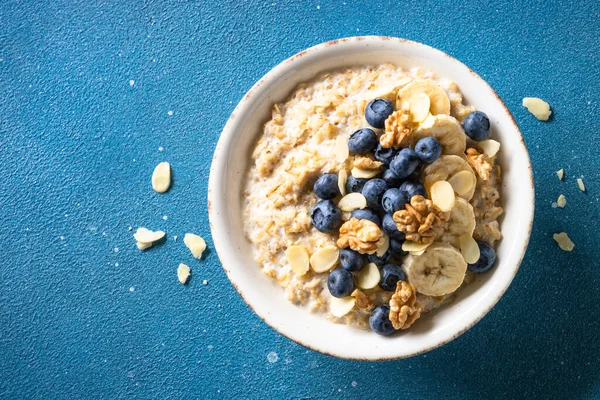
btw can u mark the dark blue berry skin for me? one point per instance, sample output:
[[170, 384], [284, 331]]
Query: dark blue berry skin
[[379, 261], [390, 227], [391, 179], [326, 187], [326, 216], [477, 126], [373, 192], [385, 155], [486, 259], [396, 247], [366, 213], [390, 275], [405, 163], [377, 112], [355, 185], [428, 149], [362, 142], [352, 260], [394, 200], [340, 283], [379, 321], [413, 188]]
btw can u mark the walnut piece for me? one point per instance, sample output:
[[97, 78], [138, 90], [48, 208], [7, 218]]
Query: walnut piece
[[367, 163], [404, 309], [398, 130], [479, 163], [360, 235], [418, 219], [362, 300]]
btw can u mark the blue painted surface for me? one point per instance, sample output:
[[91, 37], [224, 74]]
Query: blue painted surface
[[79, 143]]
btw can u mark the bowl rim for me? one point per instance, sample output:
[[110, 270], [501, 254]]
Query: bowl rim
[[227, 133]]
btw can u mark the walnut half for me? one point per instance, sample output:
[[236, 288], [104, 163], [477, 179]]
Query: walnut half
[[404, 310], [418, 219], [360, 235], [479, 163], [398, 130]]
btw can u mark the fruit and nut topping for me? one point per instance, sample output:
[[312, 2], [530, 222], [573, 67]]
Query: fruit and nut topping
[[404, 309], [418, 219], [360, 235]]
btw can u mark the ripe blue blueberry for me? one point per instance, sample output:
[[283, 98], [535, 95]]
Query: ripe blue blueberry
[[390, 275], [326, 216], [366, 213], [352, 260], [385, 155], [355, 185], [377, 112], [486, 260], [362, 141], [379, 321], [405, 163], [390, 227], [428, 149], [373, 192], [379, 261], [413, 188], [340, 282], [326, 187], [394, 200], [396, 247], [477, 126], [391, 179]]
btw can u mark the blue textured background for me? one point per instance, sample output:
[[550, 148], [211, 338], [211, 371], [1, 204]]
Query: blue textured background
[[79, 319]]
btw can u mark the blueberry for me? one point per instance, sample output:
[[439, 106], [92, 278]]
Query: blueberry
[[379, 261], [385, 155], [326, 187], [379, 321], [390, 275], [326, 216], [373, 192], [391, 179], [405, 163], [413, 188], [355, 185], [477, 126], [352, 260], [377, 112], [394, 200], [366, 213], [390, 227], [428, 149], [340, 282], [362, 141], [396, 247], [486, 259]]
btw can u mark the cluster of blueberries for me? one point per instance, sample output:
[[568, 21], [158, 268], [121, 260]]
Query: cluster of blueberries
[[386, 193]]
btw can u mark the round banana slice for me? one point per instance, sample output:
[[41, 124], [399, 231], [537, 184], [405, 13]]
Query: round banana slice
[[461, 221], [447, 130], [439, 271], [445, 168], [439, 103]]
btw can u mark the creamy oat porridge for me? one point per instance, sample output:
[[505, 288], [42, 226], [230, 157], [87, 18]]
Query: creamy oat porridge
[[373, 195]]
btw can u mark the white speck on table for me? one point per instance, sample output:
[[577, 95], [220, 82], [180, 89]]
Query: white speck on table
[[131, 289], [160, 148], [354, 383], [131, 82], [170, 112], [116, 249], [209, 347], [165, 217], [272, 357], [62, 238], [205, 282]]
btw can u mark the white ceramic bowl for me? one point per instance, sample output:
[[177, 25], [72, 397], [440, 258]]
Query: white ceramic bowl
[[231, 163]]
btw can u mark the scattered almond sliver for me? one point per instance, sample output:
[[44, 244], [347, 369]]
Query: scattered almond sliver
[[342, 179], [324, 259], [561, 174], [183, 273], [383, 245], [145, 237], [352, 201], [364, 173], [298, 258], [580, 184], [442, 195], [143, 246], [562, 201], [341, 307], [469, 249], [563, 241], [538, 107], [413, 247], [490, 147], [368, 277], [161, 177], [341, 150], [462, 182], [195, 243]]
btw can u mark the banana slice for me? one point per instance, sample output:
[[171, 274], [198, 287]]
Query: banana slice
[[439, 271], [439, 103], [461, 221], [447, 130], [445, 168]]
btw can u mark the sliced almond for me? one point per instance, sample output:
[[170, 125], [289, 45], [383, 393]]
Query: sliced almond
[[368, 277], [442, 195], [161, 177], [462, 182], [183, 273], [383, 245], [416, 249], [469, 249], [195, 243], [144, 235], [364, 173], [352, 201], [561, 174], [538, 107], [298, 258], [342, 179], [490, 147], [143, 246], [580, 184], [324, 259], [564, 242], [419, 107], [341, 150], [341, 307], [562, 201]]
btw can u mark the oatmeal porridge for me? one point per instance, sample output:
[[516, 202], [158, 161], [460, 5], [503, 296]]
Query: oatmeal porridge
[[374, 195]]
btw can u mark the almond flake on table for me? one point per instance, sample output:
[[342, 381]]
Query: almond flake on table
[[538, 107], [195, 243], [562, 201], [183, 273], [561, 174], [580, 184], [564, 242]]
